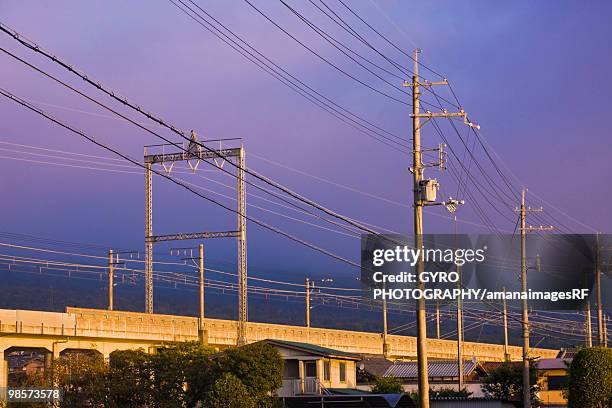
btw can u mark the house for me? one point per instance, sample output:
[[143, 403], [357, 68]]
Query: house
[[442, 373], [35, 365], [553, 379], [314, 370]]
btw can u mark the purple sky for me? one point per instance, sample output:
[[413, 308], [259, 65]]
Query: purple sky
[[534, 75]]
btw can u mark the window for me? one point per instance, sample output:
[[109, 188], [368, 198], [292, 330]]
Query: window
[[342, 372], [326, 370], [556, 383], [310, 368]]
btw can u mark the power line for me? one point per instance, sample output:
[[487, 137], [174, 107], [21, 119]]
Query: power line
[[325, 59], [150, 131], [91, 139], [126, 102], [289, 79]]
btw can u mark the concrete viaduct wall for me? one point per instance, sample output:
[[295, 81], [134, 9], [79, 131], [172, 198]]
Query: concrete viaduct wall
[[107, 331]]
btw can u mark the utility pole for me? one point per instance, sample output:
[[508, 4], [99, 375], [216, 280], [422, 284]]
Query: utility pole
[[201, 326], [424, 194], [111, 271], [459, 335], [308, 303], [438, 320], [605, 331], [385, 339], [417, 172], [525, 311], [506, 354], [587, 325], [600, 322]]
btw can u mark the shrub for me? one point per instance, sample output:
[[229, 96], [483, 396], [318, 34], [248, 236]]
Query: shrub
[[590, 379], [388, 385]]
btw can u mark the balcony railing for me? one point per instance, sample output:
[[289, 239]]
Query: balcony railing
[[297, 386]]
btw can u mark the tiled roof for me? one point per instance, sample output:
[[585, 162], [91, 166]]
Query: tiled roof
[[567, 353], [376, 365], [435, 369], [490, 366], [313, 348]]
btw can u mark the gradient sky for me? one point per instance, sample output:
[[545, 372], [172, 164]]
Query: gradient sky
[[534, 75]]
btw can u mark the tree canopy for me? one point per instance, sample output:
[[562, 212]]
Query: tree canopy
[[506, 383], [178, 375], [590, 379]]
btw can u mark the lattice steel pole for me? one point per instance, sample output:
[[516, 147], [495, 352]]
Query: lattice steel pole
[[242, 260], [148, 235]]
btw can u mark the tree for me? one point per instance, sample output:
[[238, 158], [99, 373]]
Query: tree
[[81, 378], [259, 367], [182, 372], [506, 383], [229, 392], [387, 385], [130, 379], [590, 379]]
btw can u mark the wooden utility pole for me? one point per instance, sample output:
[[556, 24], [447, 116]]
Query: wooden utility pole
[[203, 336], [111, 272], [506, 353], [308, 303]]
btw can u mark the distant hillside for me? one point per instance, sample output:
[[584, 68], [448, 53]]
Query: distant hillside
[[43, 292]]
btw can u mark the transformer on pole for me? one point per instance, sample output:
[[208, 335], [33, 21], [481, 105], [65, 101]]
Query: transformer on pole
[[194, 153]]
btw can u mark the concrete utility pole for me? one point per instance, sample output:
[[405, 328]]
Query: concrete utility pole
[[587, 326], [605, 331], [424, 194], [600, 322], [385, 342], [201, 326], [525, 312], [438, 320], [417, 172], [506, 353], [111, 271], [459, 335], [308, 303]]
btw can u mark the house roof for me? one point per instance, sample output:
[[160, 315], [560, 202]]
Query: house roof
[[567, 353], [435, 368], [552, 364], [490, 366], [376, 365], [314, 349]]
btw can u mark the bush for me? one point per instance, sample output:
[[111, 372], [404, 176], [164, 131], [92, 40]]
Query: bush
[[449, 393], [388, 385], [259, 367], [506, 383], [590, 379], [179, 375], [229, 392]]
